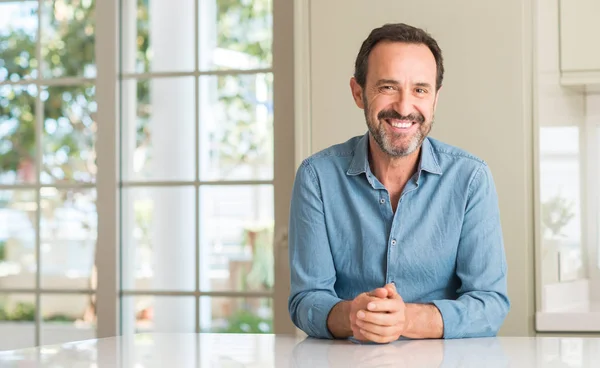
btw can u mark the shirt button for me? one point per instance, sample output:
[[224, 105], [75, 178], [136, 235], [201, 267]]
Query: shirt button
[[393, 241], [382, 201]]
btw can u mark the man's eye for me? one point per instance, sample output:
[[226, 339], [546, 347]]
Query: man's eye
[[421, 90], [386, 88]]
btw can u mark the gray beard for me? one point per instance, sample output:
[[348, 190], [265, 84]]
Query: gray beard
[[385, 143]]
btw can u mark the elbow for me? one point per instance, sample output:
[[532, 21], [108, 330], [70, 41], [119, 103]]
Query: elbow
[[477, 314], [293, 310], [504, 308]]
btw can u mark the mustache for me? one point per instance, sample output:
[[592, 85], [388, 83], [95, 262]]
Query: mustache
[[393, 114]]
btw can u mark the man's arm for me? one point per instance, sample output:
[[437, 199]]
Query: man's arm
[[312, 270], [423, 321], [338, 321], [483, 303]]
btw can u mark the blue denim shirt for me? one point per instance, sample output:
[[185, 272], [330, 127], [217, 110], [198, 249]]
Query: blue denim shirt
[[443, 245]]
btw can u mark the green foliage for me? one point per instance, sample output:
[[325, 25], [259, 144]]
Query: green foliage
[[25, 312], [21, 312], [2, 250], [59, 318], [68, 50], [557, 212], [245, 26], [17, 106]]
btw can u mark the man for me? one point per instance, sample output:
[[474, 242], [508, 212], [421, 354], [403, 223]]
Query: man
[[395, 234]]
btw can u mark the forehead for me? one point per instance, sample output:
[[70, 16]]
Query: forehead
[[401, 61]]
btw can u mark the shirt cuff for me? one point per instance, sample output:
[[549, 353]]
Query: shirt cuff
[[451, 317], [318, 313]]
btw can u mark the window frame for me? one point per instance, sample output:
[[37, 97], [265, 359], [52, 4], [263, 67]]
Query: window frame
[[108, 179]]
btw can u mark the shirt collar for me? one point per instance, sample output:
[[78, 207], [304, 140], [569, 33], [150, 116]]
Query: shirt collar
[[360, 162]]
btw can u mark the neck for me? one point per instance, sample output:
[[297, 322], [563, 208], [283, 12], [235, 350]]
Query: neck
[[392, 172]]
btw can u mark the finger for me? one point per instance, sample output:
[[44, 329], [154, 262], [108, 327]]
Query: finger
[[357, 335], [385, 305], [376, 338], [392, 291], [381, 319], [379, 293], [385, 331]]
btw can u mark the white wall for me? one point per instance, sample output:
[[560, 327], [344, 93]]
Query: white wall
[[485, 106]]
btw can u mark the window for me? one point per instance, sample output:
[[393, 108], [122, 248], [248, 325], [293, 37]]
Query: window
[[48, 216], [197, 166], [560, 215], [194, 168]]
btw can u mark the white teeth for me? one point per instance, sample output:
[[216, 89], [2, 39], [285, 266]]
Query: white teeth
[[401, 125]]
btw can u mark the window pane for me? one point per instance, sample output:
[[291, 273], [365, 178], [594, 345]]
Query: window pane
[[236, 238], [158, 314], [236, 125], [68, 318], [17, 134], [157, 36], [17, 239], [69, 134], [236, 35], [69, 229], [236, 315], [159, 129], [159, 239], [17, 321], [68, 38], [18, 33], [562, 258]]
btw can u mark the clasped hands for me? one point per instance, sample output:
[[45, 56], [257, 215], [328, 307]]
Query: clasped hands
[[379, 315]]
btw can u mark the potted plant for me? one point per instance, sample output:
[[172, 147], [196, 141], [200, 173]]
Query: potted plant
[[556, 213]]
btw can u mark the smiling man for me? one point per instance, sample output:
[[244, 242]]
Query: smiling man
[[395, 233]]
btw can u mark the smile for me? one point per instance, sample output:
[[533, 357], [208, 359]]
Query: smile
[[400, 124]]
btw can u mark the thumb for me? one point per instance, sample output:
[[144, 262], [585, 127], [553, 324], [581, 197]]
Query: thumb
[[392, 291], [379, 293]]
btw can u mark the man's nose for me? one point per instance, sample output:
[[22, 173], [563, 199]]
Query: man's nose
[[403, 104]]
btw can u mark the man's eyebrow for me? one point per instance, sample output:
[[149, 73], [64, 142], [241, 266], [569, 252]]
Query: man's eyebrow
[[423, 84], [387, 81], [395, 82]]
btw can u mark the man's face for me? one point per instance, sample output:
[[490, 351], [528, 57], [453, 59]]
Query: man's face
[[399, 97]]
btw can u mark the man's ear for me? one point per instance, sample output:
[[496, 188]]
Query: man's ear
[[357, 93]]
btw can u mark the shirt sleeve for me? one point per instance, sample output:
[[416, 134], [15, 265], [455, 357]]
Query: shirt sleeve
[[483, 303], [313, 275]]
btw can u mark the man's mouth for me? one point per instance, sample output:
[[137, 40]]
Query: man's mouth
[[400, 124]]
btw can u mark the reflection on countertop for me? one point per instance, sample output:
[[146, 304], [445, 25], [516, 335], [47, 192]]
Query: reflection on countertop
[[255, 350]]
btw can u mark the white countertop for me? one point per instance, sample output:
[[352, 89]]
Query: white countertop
[[228, 350]]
